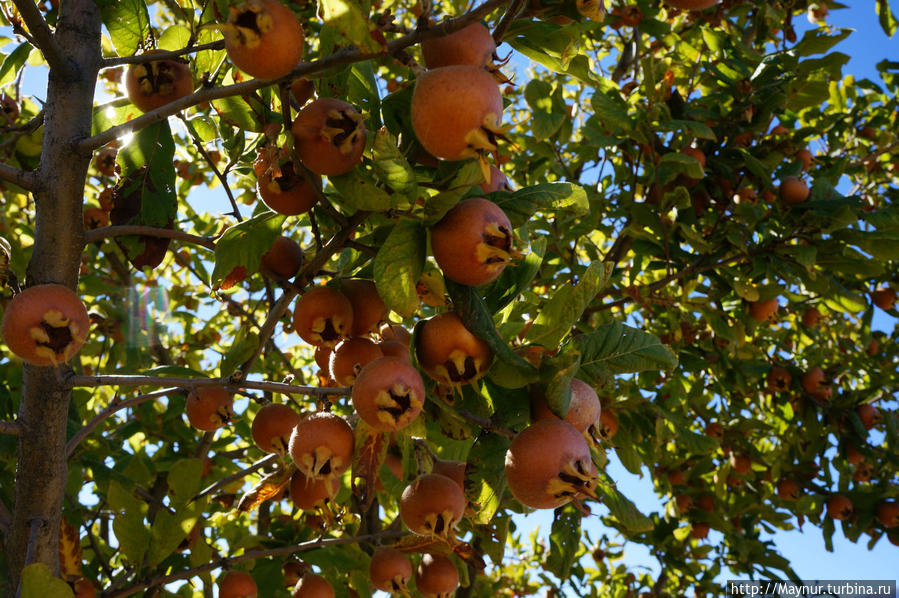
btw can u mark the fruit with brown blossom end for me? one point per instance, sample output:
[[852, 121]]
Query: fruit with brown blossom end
[[329, 136], [263, 38], [432, 505], [45, 324], [763, 311], [272, 427], [237, 584], [309, 494], [548, 464], [321, 445], [884, 298], [436, 576], [312, 585], [155, 83], [323, 316], [209, 408], [390, 570], [888, 513], [283, 260], [449, 353], [369, 309], [788, 489], [388, 394]]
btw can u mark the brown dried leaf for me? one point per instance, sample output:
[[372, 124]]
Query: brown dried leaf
[[371, 450], [69, 551], [268, 488]]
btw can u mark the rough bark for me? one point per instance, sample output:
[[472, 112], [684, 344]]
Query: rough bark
[[59, 239]]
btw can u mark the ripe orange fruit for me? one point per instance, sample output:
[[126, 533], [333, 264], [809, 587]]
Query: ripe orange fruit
[[432, 505], [839, 507], [762, 311], [283, 260], [816, 384], [285, 190], [237, 584], [548, 464], [699, 530], [436, 576], [263, 38], [390, 571], [456, 111], [310, 494], [156, 83], [584, 408], [45, 324], [323, 316], [793, 190], [209, 408], [272, 427], [472, 243], [349, 357], [388, 394], [788, 489], [888, 513], [369, 309], [884, 298], [329, 136], [449, 353], [321, 445], [472, 45], [313, 586]]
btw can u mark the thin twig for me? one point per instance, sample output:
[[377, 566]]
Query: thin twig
[[236, 476], [106, 232], [5, 518], [107, 413], [339, 58], [259, 554], [485, 423], [42, 37], [160, 55], [11, 428], [137, 380]]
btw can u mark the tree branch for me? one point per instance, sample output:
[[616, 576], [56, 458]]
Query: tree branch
[[160, 55], [258, 554], [340, 58], [107, 232], [136, 380], [236, 476], [11, 428], [22, 178], [106, 413], [43, 38]]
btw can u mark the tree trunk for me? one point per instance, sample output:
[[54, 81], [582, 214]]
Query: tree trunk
[[59, 240]]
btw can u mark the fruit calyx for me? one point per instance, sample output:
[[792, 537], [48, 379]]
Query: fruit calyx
[[342, 128], [249, 22]]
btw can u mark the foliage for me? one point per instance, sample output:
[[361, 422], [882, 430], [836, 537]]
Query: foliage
[[640, 264]]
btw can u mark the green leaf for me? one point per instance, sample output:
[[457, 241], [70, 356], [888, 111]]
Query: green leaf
[[352, 22], [242, 348], [621, 508], [392, 167], [564, 541], [398, 266], [817, 41], [485, 475], [886, 17], [132, 534], [13, 63], [168, 531], [618, 349], [690, 127], [128, 23], [147, 164], [243, 244], [525, 202], [174, 38], [611, 111], [39, 582], [184, 479], [675, 163], [359, 192], [516, 278], [243, 112], [465, 178], [567, 305], [556, 374]]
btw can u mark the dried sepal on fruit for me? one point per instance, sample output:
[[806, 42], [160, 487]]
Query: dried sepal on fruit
[[388, 394], [45, 324], [263, 38], [390, 570], [309, 494], [349, 357], [282, 185], [209, 408]]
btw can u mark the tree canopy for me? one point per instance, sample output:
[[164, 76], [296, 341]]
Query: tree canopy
[[690, 212]]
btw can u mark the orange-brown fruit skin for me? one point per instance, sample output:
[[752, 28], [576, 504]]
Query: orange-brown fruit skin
[[762, 311], [740, 464], [811, 317], [322, 429], [237, 584], [209, 408], [382, 375], [272, 427], [428, 494], [884, 298], [888, 514], [84, 588], [779, 379], [306, 493], [788, 489], [369, 310], [699, 531], [456, 238], [793, 190], [538, 454], [280, 48], [351, 355], [283, 260], [312, 585], [472, 45], [395, 332], [448, 103], [178, 82], [289, 195], [439, 337], [28, 309], [436, 576], [608, 425], [839, 507], [395, 349], [815, 383], [806, 158], [320, 154], [868, 414], [454, 470], [497, 182], [388, 569], [584, 408], [323, 303]]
